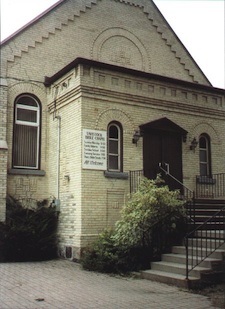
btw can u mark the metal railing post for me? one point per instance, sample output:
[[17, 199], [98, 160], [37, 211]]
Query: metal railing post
[[186, 246]]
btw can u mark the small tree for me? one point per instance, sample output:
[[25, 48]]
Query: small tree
[[151, 204], [151, 211]]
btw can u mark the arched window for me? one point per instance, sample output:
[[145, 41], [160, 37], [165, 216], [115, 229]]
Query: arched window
[[26, 132], [115, 144], [204, 155]]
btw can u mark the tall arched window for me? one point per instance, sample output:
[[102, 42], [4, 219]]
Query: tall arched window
[[115, 143], [26, 133], [204, 155]]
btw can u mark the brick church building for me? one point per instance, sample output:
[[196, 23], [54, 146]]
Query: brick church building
[[93, 94]]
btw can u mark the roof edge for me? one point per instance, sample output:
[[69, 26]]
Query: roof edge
[[30, 23], [50, 80], [163, 121], [182, 44]]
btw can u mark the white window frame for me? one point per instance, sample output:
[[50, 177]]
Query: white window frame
[[207, 152], [29, 124], [118, 154], [31, 108]]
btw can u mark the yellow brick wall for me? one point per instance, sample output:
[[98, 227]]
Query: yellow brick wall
[[101, 197], [23, 186], [70, 182], [3, 183], [90, 98], [3, 147]]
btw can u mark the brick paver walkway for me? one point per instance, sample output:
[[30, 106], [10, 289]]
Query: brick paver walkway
[[63, 284]]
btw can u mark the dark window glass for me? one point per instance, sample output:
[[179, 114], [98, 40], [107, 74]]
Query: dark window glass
[[114, 147], [25, 138], [113, 132], [27, 100], [26, 115], [204, 155], [113, 163]]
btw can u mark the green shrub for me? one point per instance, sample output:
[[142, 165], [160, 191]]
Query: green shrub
[[28, 234], [107, 257], [151, 222], [152, 203], [101, 255]]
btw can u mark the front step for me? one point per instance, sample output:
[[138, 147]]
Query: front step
[[210, 226], [177, 268], [218, 234], [170, 278], [179, 258], [217, 254], [207, 210], [172, 269], [209, 243]]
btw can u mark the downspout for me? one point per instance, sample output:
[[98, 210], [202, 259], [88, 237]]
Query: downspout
[[57, 202]]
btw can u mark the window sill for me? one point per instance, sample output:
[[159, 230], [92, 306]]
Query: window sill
[[117, 175], [206, 180], [17, 171]]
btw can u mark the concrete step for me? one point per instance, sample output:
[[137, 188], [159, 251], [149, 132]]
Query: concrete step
[[181, 259], [216, 206], [172, 268], [203, 217], [208, 208], [207, 243], [209, 226], [213, 234], [218, 254], [206, 215], [212, 202], [169, 278], [177, 268]]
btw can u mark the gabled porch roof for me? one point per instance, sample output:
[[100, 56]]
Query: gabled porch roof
[[163, 124]]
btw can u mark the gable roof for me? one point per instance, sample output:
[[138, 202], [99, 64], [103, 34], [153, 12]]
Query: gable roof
[[74, 7], [163, 125], [32, 22]]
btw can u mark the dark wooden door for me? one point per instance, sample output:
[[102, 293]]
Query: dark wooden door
[[163, 148]]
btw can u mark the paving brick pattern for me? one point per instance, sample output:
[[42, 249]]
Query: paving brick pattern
[[62, 284]]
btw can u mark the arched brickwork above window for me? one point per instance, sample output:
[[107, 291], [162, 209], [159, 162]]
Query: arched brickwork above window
[[114, 114]]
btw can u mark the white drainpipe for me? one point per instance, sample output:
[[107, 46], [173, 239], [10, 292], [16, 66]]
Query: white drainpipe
[[57, 203]]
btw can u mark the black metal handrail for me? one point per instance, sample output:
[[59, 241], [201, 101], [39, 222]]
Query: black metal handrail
[[189, 197], [212, 186], [136, 177], [209, 233], [162, 236], [188, 194]]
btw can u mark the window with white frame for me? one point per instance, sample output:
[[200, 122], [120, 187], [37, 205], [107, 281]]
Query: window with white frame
[[115, 147], [204, 155], [26, 132]]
